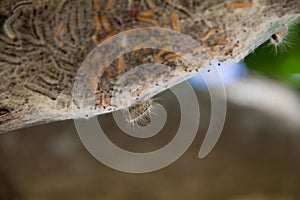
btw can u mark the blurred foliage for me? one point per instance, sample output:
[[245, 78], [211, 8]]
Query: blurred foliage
[[284, 65]]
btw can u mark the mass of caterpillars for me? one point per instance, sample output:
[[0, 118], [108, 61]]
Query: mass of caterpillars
[[147, 17], [102, 25], [154, 16], [34, 56]]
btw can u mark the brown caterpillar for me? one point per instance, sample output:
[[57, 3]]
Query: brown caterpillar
[[140, 114], [7, 25]]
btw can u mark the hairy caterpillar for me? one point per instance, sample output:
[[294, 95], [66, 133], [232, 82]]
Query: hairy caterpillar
[[281, 39], [8, 31], [140, 114], [7, 25]]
